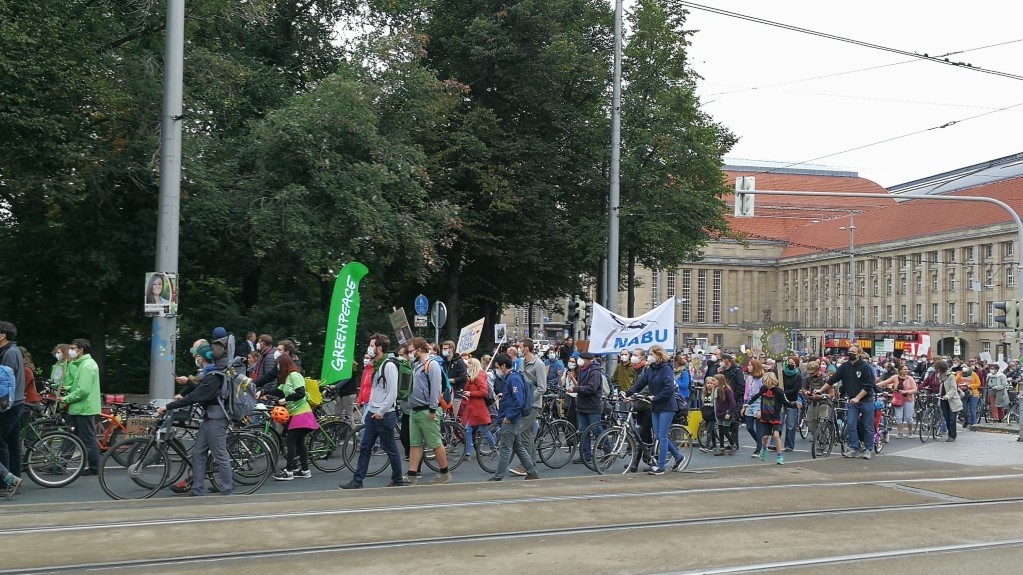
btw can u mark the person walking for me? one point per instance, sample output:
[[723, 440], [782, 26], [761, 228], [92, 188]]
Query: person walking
[[858, 384], [11, 418], [475, 412], [903, 388], [535, 373], [792, 381], [951, 398], [302, 422], [725, 412], [750, 408], [659, 378], [380, 420], [513, 407], [424, 419], [83, 401], [771, 399]]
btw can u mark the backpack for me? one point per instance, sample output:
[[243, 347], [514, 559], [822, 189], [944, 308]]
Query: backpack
[[529, 389], [7, 385], [405, 378], [312, 393], [237, 392], [606, 384], [446, 393], [491, 397]]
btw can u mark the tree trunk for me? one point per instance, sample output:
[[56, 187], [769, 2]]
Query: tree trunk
[[250, 289], [601, 281], [632, 283], [454, 271], [326, 291]]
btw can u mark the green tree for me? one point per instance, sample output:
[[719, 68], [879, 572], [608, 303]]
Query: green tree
[[671, 184]]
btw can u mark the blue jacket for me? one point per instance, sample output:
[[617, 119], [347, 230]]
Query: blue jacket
[[683, 381], [660, 379], [514, 397]]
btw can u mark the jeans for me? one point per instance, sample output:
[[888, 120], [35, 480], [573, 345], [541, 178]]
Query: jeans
[[382, 429], [753, 428], [511, 439], [585, 420], [791, 426], [528, 431], [212, 438], [862, 412], [470, 431], [950, 418], [662, 422], [10, 440], [971, 405], [84, 428]]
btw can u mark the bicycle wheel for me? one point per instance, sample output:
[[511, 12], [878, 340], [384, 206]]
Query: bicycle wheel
[[250, 463], [326, 445], [55, 459], [925, 426], [614, 452], [487, 456], [683, 440], [804, 428], [556, 444], [350, 449], [145, 474], [590, 434], [823, 440], [453, 437], [704, 434]]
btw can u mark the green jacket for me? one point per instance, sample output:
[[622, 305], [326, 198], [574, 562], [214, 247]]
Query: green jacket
[[82, 382]]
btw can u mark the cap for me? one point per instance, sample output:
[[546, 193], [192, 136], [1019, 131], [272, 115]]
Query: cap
[[202, 349], [219, 333], [586, 355]]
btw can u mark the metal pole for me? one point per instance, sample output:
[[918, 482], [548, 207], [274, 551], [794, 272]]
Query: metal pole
[[616, 141], [161, 353], [852, 278], [999, 203]]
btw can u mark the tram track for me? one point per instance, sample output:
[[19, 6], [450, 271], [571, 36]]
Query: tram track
[[555, 533]]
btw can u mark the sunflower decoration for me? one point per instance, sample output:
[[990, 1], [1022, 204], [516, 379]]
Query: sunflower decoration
[[776, 342]]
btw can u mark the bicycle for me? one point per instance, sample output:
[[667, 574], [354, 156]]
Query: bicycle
[[151, 468], [556, 438], [55, 458], [883, 429], [622, 443], [928, 416], [452, 437], [830, 428]]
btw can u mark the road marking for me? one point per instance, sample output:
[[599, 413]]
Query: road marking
[[923, 492]]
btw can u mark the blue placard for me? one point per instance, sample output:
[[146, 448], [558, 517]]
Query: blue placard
[[422, 305]]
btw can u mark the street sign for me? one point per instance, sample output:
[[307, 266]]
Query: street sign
[[439, 314], [421, 320], [422, 305]]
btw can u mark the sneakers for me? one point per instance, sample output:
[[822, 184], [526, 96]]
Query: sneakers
[[410, 479], [656, 471], [851, 453], [532, 476], [14, 489], [709, 450], [755, 454], [719, 451], [679, 464], [520, 471], [788, 450], [495, 479], [731, 451], [284, 475], [304, 474], [867, 454], [349, 485], [763, 455], [401, 483], [441, 478], [780, 460], [181, 487]]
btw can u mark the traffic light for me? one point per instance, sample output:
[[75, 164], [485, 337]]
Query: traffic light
[[1010, 319], [744, 201], [588, 311], [573, 310]]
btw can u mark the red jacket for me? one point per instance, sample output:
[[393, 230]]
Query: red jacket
[[366, 385], [475, 411]]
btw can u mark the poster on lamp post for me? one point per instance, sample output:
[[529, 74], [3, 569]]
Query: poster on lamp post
[[161, 296]]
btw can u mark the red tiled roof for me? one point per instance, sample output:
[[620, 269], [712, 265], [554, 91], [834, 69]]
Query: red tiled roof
[[910, 219]]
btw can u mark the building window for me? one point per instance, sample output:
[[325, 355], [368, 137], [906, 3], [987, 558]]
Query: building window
[[951, 281], [888, 264], [655, 288], [687, 280], [934, 282], [716, 295], [888, 285], [888, 314], [719, 340], [971, 312], [918, 259], [859, 268], [934, 313], [877, 289], [877, 314], [827, 317], [951, 312], [989, 251], [701, 296], [919, 313], [969, 281], [990, 314], [968, 254], [989, 281], [905, 313], [1008, 249], [1010, 278], [919, 282], [985, 345], [950, 257], [671, 285], [816, 317], [902, 284], [863, 315], [932, 257], [873, 265], [863, 287]]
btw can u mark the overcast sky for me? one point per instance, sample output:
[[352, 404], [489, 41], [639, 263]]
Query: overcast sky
[[805, 120]]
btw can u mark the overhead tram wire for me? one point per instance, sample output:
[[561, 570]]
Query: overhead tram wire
[[937, 59], [775, 85]]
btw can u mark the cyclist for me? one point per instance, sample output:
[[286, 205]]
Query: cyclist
[[589, 401], [858, 384], [212, 435], [83, 400], [817, 407], [302, 421], [659, 378]]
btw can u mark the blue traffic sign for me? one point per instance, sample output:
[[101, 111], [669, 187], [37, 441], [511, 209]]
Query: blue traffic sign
[[422, 305]]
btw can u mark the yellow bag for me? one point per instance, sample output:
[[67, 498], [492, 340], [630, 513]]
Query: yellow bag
[[312, 392]]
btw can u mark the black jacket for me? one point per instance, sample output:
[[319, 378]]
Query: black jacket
[[660, 380], [457, 374], [736, 381], [206, 394], [855, 377], [590, 390]]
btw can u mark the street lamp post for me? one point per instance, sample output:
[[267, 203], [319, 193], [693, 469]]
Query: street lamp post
[[852, 276]]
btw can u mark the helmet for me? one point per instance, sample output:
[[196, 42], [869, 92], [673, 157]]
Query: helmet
[[280, 414]]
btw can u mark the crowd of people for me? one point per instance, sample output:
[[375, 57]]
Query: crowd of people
[[509, 387]]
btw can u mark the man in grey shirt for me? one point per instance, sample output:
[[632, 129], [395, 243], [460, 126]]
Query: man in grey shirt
[[536, 373], [424, 422]]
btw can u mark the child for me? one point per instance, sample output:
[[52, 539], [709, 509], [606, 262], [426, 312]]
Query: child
[[708, 410], [771, 399], [724, 411]]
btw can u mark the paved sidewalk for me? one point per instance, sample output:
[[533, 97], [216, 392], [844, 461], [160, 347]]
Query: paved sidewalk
[[970, 448]]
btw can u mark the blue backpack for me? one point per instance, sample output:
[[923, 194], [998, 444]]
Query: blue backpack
[[446, 393], [7, 385]]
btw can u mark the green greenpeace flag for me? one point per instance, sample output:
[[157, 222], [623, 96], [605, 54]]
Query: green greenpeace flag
[[339, 351]]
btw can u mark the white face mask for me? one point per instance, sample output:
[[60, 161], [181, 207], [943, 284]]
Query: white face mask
[[552, 355], [635, 359], [371, 350], [366, 361], [58, 357], [625, 357], [446, 353], [72, 354], [259, 346], [571, 365], [278, 354]]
